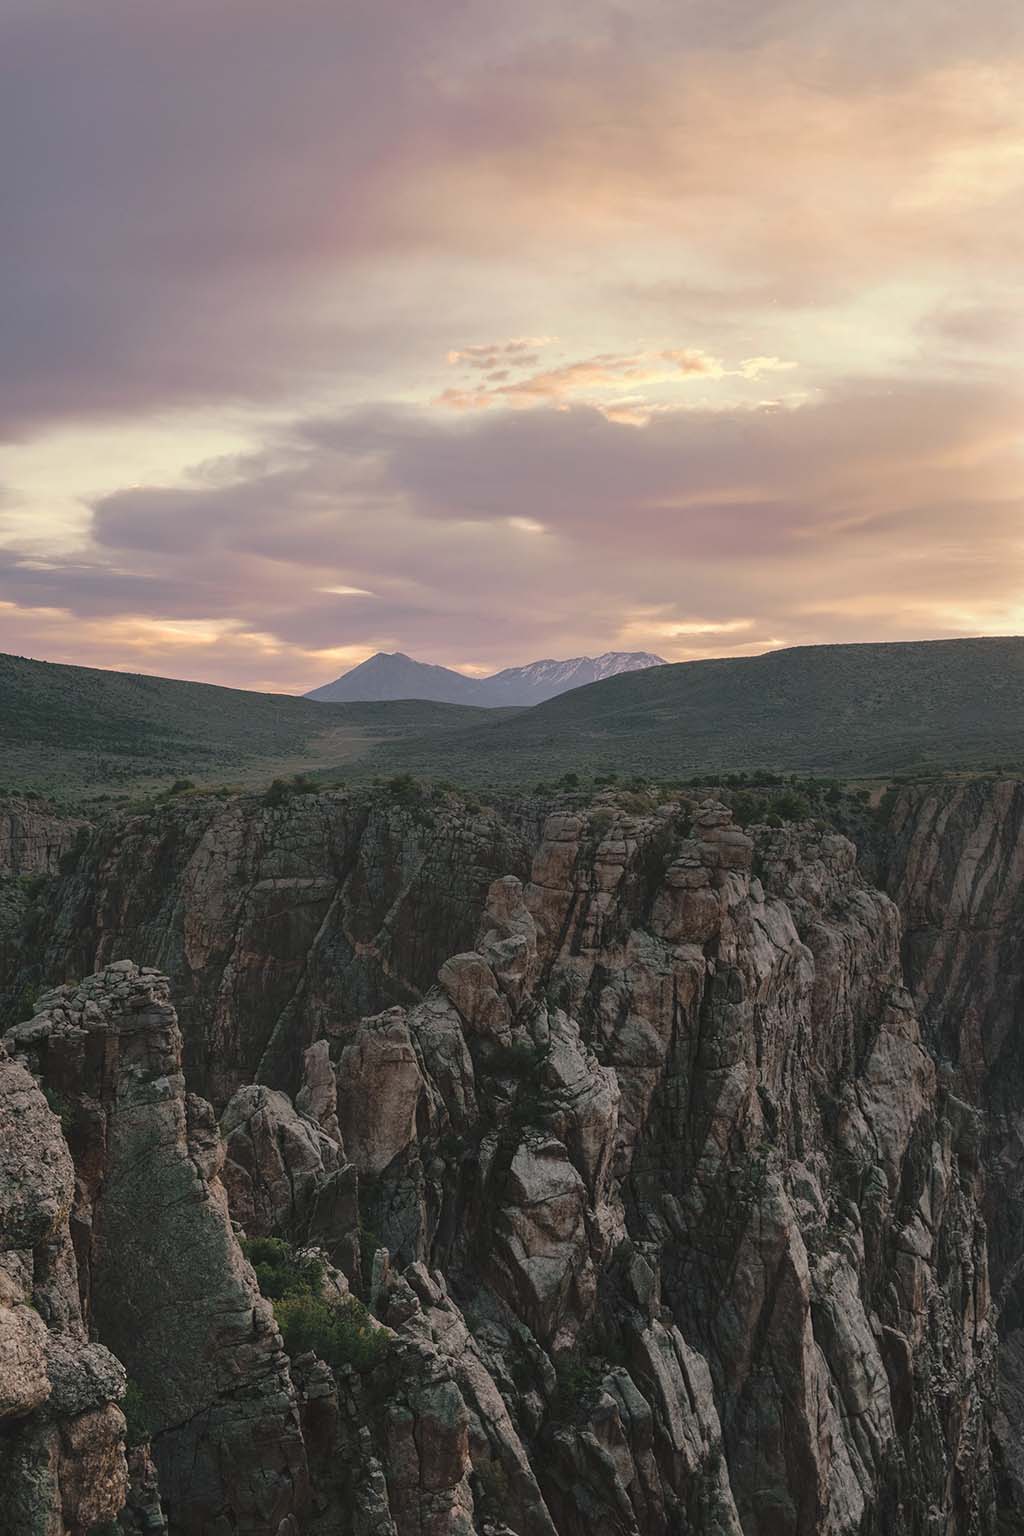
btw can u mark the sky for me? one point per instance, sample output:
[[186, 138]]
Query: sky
[[492, 332]]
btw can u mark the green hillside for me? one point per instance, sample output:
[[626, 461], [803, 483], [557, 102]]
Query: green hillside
[[832, 709], [73, 731], [847, 710]]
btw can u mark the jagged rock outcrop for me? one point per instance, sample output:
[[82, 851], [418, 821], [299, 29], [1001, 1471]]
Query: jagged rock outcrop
[[285, 1174], [62, 1459], [671, 1195], [163, 1281]]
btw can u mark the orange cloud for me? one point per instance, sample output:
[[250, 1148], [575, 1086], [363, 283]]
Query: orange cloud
[[586, 379]]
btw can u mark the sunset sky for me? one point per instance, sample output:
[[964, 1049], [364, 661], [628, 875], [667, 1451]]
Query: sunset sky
[[491, 331]]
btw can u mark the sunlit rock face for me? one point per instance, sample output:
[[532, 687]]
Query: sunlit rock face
[[668, 1188]]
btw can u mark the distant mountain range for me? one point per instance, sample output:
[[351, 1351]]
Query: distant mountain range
[[392, 675]]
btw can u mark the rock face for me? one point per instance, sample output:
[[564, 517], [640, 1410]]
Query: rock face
[[62, 1460], [162, 1277], [34, 838], [35, 842], [670, 1196], [954, 861], [275, 923]]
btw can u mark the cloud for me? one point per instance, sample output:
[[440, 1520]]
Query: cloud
[[218, 202], [880, 510], [587, 379]]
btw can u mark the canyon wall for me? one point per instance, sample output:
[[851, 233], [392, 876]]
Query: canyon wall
[[953, 858], [674, 1162]]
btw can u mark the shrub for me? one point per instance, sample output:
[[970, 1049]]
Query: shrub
[[792, 807], [25, 1005], [579, 1378], [404, 788], [139, 1416], [748, 809], [281, 1272], [342, 1333], [283, 789], [180, 786], [60, 1107], [277, 793]]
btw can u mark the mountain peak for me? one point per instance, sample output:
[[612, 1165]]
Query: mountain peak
[[394, 675]]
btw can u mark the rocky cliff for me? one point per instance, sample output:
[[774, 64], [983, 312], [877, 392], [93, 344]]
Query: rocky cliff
[[160, 1274], [664, 1156], [62, 1461], [954, 860], [36, 841], [272, 921]]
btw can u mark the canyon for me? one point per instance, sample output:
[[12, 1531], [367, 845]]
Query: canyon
[[662, 1171]]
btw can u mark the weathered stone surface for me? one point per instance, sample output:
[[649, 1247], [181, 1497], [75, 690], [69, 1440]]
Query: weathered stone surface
[[34, 837], [275, 924], [952, 857], [24, 1382], [379, 1090], [167, 1287], [62, 1464]]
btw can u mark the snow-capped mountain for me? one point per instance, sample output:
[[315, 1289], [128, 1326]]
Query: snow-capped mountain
[[543, 679], [396, 676]]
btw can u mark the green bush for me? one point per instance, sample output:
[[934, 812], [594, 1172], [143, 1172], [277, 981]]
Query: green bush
[[283, 789], [25, 1006], [792, 807], [59, 1106], [747, 809], [579, 1378], [342, 1333], [281, 1272], [139, 1417], [403, 787]]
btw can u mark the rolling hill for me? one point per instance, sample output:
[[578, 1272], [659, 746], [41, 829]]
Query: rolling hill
[[832, 709], [848, 710], [77, 730]]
